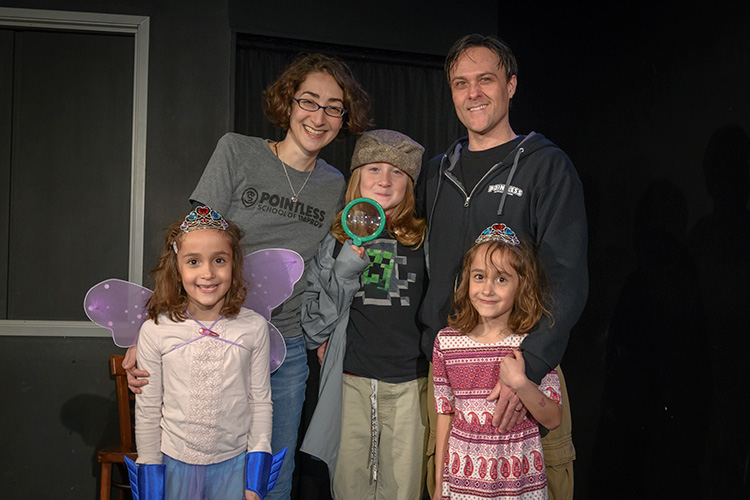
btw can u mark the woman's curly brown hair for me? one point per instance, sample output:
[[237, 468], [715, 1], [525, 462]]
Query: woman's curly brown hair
[[528, 307], [169, 295], [278, 96]]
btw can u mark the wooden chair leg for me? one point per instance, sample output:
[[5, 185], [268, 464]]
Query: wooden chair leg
[[106, 488]]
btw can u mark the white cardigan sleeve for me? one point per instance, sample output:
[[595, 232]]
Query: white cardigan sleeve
[[148, 404], [259, 392]]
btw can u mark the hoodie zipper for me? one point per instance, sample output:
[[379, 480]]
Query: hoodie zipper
[[467, 197], [467, 200]]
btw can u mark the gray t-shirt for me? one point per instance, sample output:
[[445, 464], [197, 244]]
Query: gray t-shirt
[[245, 182]]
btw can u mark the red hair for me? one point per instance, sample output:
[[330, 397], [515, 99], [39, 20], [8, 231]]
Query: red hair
[[402, 223]]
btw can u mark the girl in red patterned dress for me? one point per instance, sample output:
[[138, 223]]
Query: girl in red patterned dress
[[499, 300]]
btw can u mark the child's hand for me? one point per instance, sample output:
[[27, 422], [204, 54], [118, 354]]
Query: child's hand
[[513, 370], [251, 495], [322, 351], [360, 251]]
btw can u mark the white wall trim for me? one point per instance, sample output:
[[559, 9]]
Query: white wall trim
[[111, 23]]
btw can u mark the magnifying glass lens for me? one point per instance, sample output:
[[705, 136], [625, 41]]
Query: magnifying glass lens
[[363, 219]]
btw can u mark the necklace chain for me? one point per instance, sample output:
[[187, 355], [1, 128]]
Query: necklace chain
[[295, 196]]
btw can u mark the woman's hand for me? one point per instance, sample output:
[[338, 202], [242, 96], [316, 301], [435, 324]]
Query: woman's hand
[[136, 378]]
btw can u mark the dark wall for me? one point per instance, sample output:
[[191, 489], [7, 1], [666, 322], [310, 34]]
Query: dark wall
[[60, 407], [651, 104], [416, 26], [189, 101], [61, 402], [643, 100]]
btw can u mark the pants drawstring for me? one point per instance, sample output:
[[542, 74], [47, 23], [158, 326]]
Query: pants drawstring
[[374, 429]]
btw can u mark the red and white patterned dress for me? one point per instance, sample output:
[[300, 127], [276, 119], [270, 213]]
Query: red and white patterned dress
[[480, 461]]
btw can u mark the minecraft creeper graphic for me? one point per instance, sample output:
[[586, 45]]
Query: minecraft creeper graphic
[[381, 281]]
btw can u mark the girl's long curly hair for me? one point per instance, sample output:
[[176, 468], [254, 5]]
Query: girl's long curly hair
[[528, 307], [169, 295], [402, 224]]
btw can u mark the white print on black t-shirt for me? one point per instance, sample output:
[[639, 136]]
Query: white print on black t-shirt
[[500, 188]]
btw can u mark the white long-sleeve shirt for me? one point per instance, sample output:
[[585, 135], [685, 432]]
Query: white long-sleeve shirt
[[208, 399]]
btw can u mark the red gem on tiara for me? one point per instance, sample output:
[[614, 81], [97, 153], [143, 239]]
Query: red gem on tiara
[[203, 218], [498, 232]]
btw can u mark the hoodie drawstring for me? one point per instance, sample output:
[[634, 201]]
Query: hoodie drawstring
[[510, 179]]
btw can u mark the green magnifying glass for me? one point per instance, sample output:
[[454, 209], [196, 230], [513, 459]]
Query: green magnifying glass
[[363, 220]]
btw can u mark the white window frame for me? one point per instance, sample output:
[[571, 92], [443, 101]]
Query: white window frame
[[107, 23]]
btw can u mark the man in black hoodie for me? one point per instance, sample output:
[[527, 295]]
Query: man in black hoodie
[[494, 175]]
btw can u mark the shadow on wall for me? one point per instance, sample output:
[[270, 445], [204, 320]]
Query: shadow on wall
[[652, 343], [673, 421], [75, 415], [721, 244]]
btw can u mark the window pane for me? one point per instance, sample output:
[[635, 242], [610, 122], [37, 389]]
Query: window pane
[[71, 162], [6, 106]]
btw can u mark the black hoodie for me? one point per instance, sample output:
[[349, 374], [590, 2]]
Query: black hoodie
[[543, 205]]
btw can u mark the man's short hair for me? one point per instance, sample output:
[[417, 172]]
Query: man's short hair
[[507, 59]]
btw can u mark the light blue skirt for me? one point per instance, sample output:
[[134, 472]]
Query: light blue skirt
[[222, 481]]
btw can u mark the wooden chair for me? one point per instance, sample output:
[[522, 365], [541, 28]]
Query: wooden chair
[[115, 454]]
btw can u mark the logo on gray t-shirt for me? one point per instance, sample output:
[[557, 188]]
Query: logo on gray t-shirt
[[282, 206], [249, 197]]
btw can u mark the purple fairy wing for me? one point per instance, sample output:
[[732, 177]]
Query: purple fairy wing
[[270, 275], [278, 347], [120, 307]]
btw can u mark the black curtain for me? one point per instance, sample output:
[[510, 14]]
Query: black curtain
[[409, 92]]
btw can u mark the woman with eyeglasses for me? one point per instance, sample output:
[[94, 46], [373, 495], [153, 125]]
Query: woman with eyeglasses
[[284, 196]]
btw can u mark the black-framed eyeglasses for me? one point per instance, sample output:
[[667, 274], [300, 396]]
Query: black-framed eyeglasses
[[309, 105]]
